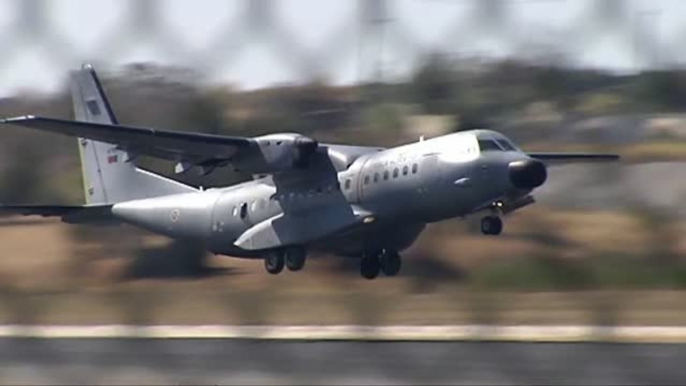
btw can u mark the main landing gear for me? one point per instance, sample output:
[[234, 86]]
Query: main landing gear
[[491, 225], [293, 258], [388, 262], [274, 262]]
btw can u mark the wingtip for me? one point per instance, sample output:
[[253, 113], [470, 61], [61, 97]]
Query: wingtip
[[17, 119]]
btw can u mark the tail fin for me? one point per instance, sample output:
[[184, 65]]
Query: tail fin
[[109, 175]]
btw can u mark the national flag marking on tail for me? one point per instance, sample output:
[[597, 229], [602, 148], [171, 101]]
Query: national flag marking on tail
[[112, 159]]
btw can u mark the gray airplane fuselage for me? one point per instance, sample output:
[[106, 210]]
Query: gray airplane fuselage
[[402, 189]]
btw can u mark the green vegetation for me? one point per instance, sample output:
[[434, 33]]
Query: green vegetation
[[593, 273]]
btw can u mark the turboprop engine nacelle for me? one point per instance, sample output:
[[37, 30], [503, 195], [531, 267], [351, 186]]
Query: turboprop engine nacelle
[[278, 153]]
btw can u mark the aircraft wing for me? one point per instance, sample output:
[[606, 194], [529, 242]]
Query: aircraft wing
[[259, 155], [171, 145], [566, 158], [69, 214]]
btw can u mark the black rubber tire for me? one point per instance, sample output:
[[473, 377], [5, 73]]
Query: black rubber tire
[[391, 263], [274, 263], [497, 226], [370, 267], [295, 258], [491, 225]]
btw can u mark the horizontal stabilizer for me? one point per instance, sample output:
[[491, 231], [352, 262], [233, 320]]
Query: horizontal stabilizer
[[566, 158], [69, 214]]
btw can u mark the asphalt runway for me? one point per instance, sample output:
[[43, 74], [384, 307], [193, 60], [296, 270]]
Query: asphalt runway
[[219, 361]]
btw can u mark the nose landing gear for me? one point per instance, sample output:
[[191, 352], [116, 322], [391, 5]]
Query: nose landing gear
[[370, 267], [491, 225], [390, 263]]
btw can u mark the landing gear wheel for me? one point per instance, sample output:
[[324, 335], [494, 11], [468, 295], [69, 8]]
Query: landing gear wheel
[[370, 267], [491, 225], [391, 263], [295, 258], [274, 263]]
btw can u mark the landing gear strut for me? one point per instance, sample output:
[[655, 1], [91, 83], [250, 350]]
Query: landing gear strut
[[491, 225], [388, 262], [274, 262]]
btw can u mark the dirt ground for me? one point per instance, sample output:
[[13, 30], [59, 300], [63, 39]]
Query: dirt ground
[[49, 273]]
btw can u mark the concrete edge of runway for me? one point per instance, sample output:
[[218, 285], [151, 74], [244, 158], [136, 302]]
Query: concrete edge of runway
[[516, 333]]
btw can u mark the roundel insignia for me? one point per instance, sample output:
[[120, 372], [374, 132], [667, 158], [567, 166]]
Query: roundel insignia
[[175, 215]]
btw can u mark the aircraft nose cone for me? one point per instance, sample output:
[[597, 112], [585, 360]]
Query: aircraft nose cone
[[527, 174]]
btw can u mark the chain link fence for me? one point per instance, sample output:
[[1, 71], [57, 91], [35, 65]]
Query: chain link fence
[[370, 40], [353, 41], [259, 43]]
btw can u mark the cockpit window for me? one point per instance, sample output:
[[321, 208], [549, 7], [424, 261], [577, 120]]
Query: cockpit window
[[488, 145], [505, 145]]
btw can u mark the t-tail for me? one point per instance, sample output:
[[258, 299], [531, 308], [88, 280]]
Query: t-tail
[[109, 174]]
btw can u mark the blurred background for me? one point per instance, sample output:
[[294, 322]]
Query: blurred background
[[603, 245]]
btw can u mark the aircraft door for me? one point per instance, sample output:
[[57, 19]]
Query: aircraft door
[[431, 174], [433, 193], [364, 180]]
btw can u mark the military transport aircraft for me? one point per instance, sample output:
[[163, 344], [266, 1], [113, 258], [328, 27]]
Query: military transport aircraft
[[353, 201]]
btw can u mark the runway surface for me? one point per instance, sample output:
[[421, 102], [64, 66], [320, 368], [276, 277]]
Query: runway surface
[[249, 361]]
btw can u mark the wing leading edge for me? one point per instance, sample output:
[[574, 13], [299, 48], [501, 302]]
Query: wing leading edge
[[203, 150], [172, 145]]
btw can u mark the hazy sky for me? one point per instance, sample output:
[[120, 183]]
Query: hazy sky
[[37, 55]]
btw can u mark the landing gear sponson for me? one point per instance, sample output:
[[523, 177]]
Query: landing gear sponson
[[387, 261]]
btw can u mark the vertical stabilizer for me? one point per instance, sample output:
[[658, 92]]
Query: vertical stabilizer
[[109, 175]]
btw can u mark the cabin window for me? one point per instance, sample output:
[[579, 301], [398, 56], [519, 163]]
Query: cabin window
[[385, 175], [406, 170], [395, 173], [347, 184], [415, 168], [366, 180], [244, 210], [376, 177], [253, 207]]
